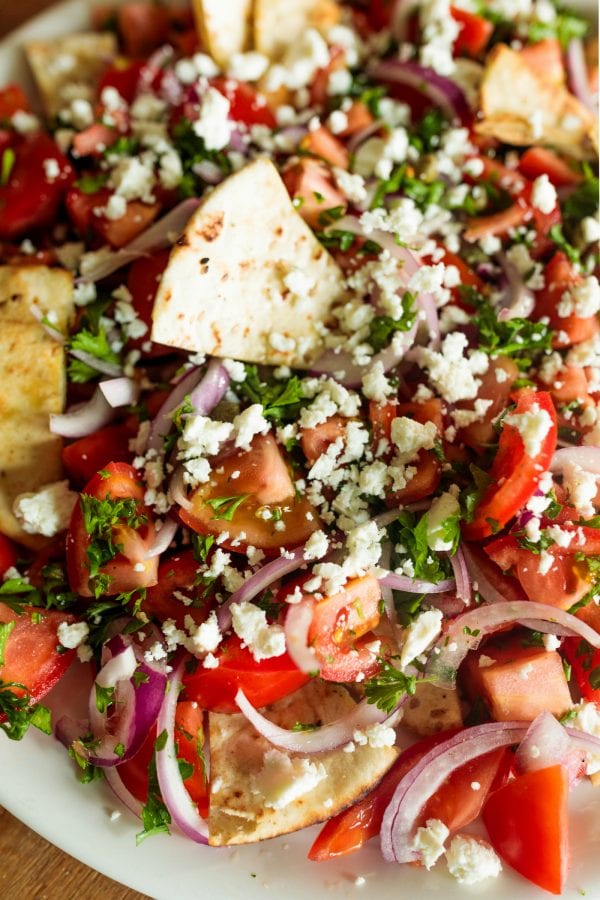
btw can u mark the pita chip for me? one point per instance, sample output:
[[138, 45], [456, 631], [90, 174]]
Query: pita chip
[[279, 23], [224, 27], [68, 68], [520, 107], [432, 709], [32, 374], [250, 799], [248, 279]]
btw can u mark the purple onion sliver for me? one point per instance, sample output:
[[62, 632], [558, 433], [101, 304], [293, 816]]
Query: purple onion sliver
[[461, 576], [84, 418], [163, 421], [116, 785], [414, 586], [547, 743], [298, 620], [577, 74], [587, 458], [163, 538], [120, 391], [100, 365], [439, 90]]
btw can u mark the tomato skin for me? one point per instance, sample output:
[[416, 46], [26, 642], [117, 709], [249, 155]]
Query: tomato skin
[[189, 732], [8, 554], [118, 480], [116, 232], [559, 276], [315, 441], [323, 144], [12, 99], [85, 457], [538, 161], [123, 76], [480, 434], [307, 181], [514, 475], [177, 573], [29, 201], [263, 682], [142, 282], [583, 660], [528, 825], [497, 223], [247, 105], [30, 655], [474, 34], [142, 27], [134, 772]]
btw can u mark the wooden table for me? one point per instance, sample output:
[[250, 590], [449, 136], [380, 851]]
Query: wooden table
[[31, 868]]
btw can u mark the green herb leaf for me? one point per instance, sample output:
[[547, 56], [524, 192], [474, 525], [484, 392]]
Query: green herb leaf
[[382, 328], [281, 400], [226, 507], [387, 688], [518, 338], [100, 517], [105, 697], [565, 26], [91, 184], [5, 630], [19, 713], [6, 166], [95, 345]]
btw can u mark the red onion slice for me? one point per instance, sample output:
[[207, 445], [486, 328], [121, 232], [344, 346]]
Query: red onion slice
[[52, 331], [589, 742], [480, 568], [163, 538], [587, 458], [180, 805], [297, 625], [334, 364], [163, 233], [85, 418], [100, 365], [465, 632], [114, 781], [577, 74], [177, 490], [461, 576], [423, 780], [413, 586], [327, 737], [361, 136], [520, 299], [439, 90], [119, 391], [259, 582], [547, 743]]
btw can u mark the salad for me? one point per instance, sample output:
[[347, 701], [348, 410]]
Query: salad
[[300, 424]]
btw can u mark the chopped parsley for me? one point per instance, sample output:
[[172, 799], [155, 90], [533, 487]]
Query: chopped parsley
[[518, 338], [226, 507], [388, 687], [100, 518], [564, 27], [382, 328], [95, 345], [6, 165], [192, 151], [91, 184], [411, 534], [155, 815], [281, 400], [20, 713], [5, 630]]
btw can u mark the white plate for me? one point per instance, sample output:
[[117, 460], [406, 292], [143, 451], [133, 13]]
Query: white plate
[[38, 785]]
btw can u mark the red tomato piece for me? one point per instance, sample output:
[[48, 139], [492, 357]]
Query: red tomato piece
[[116, 232], [315, 441], [129, 570], [263, 682], [123, 76], [83, 458], [323, 144], [189, 740], [94, 140], [474, 34], [480, 434], [8, 554], [538, 161], [559, 276], [134, 772], [30, 200], [497, 223], [514, 475], [31, 657], [585, 664], [246, 104], [142, 281], [142, 27], [528, 824], [309, 184], [12, 99], [177, 574]]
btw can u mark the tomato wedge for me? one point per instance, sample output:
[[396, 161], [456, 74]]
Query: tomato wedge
[[559, 276], [528, 824], [178, 577], [263, 682], [514, 475], [8, 554], [585, 665], [83, 458]]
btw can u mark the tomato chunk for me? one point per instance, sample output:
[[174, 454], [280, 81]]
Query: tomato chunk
[[178, 581], [559, 276], [86, 456]]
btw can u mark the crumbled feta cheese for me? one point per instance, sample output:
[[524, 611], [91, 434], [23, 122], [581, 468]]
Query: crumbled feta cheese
[[471, 860], [581, 487], [284, 778], [376, 736], [449, 371], [316, 546], [47, 511], [72, 636], [337, 121], [410, 436], [299, 283], [248, 424], [203, 436], [206, 637], [51, 170], [543, 195], [590, 229], [300, 63], [247, 66], [352, 186], [133, 179], [582, 299], [24, 122], [250, 625], [429, 841], [375, 385], [420, 634], [214, 125], [533, 426], [439, 32]]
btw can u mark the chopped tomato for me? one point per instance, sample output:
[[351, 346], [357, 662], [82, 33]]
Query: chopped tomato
[[309, 184], [359, 117], [546, 59], [12, 99], [142, 27], [379, 13], [381, 416], [82, 209], [538, 161], [134, 772], [497, 223], [474, 34], [428, 469], [323, 144], [515, 474], [142, 282], [467, 275], [246, 105], [320, 83], [585, 665], [337, 625], [30, 199], [250, 494], [528, 824], [94, 140], [31, 656], [178, 583], [189, 740], [496, 386], [123, 75], [83, 458], [129, 570], [263, 682], [8, 554], [315, 441], [559, 276]]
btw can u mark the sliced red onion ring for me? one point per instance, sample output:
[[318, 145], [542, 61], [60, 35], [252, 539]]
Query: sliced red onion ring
[[510, 588], [547, 743], [259, 582], [327, 737], [180, 805], [439, 90], [361, 136], [414, 586], [589, 742], [120, 391], [100, 365], [211, 389], [297, 625], [116, 785], [465, 632], [423, 780], [135, 705], [461, 576], [85, 418], [520, 300], [588, 458], [208, 171], [163, 233], [386, 592], [53, 332], [577, 74], [342, 367], [177, 492], [163, 538]]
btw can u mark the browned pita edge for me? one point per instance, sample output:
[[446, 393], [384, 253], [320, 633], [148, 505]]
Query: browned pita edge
[[519, 107], [33, 379], [238, 814], [67, 68], [223, 292], [279, 23]]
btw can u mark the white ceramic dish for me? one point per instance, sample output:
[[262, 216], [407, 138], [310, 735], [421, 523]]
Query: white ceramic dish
[[38, 785]]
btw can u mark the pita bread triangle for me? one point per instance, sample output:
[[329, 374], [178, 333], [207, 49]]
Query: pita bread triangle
[[224, 27]]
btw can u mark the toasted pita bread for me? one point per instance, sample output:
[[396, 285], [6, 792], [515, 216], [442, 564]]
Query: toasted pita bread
[[224, 27], [432, 709], [279, 23], [67, 67], [238, 813], [223, 292], [520, 107], [32, 375]]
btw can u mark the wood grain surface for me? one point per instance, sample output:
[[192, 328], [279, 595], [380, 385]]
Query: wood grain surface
[[30, 867]]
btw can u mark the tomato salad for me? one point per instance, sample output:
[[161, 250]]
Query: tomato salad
[[387, 505]]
